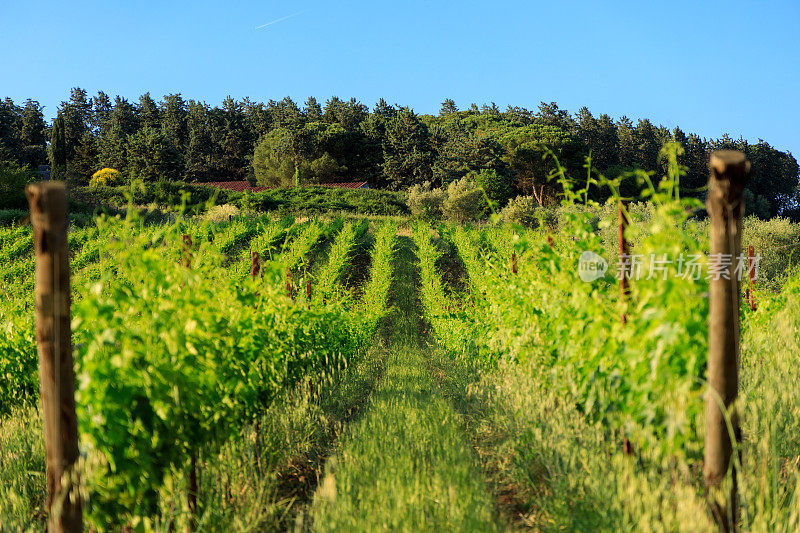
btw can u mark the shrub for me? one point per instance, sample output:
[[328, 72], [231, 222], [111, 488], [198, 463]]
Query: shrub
[[221, 213], [9, 217], [105, 177], [777, 241], [497, 186], [425, 202], [523, 210], [464, 201], [13, 179]]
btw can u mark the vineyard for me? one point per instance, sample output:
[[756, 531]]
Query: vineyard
[[184, 335], [346, 374]]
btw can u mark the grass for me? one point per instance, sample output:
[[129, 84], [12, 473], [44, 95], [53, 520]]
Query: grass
[[22, 466], [407, 464]]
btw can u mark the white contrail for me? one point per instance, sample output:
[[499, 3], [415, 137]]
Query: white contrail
[[270, 23]]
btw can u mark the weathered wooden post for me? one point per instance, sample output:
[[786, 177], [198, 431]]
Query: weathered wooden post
[[186, 254], [513, 262], [624, 253], [289, 283], [255, 264], [48, 205], [729, 173]]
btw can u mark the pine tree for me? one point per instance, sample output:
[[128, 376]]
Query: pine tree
[[121, 123], [149, 113], [32, 134], [407, 151], [448, 108], [77, 115], [9, 127], [85, 162], [313, 110]]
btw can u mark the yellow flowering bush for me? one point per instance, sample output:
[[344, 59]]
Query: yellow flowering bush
[[105, 176]]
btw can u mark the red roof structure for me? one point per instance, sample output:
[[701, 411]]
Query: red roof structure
[[242, 186], [345, 185], [239, 186]]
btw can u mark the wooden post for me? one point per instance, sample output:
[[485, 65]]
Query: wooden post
[[186, 251], [729, 174], [308, 290], [513, 262], [624, 251], [624, 289], [550, 241], [289, 283], [751, 276], [255, 264], [191, 493], [48, 204]]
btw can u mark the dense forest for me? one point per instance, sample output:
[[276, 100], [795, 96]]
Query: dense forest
[[390, 146]]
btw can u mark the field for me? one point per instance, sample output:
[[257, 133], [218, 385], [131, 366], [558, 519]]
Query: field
[[399, 375]]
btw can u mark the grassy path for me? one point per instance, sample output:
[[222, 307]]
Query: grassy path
[[406, 464]]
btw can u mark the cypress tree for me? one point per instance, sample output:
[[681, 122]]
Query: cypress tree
[[58, 147]]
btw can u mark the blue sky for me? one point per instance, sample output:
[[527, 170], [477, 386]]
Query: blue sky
[[710, 67]]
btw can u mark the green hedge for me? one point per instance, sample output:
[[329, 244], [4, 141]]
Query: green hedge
[[323, 199], [294, 199]]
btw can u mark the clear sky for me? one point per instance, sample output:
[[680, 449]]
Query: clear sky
[[710, 67]]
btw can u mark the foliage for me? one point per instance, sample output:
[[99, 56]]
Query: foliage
[[318, 200], [642, 376], [464, 201], [274, 163], [150, 393], [524, 211], [106, 177], [461, 201], [152, 156], [388, 146], [496, 185], [221, 213], [426, 203], [13, 179], [407, 150], [58, 147], [527, 149]]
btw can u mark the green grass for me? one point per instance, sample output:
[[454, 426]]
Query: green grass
[[22, 466], [407, 464]]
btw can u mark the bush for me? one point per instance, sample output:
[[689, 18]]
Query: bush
[[221, 213], [497, 186], [777, 241], [9, 217], [324, 199], [106, 177], [13, 179], [425, 202], [464, 201], [525, 211]]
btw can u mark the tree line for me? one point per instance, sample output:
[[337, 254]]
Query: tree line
[[390, 146]]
